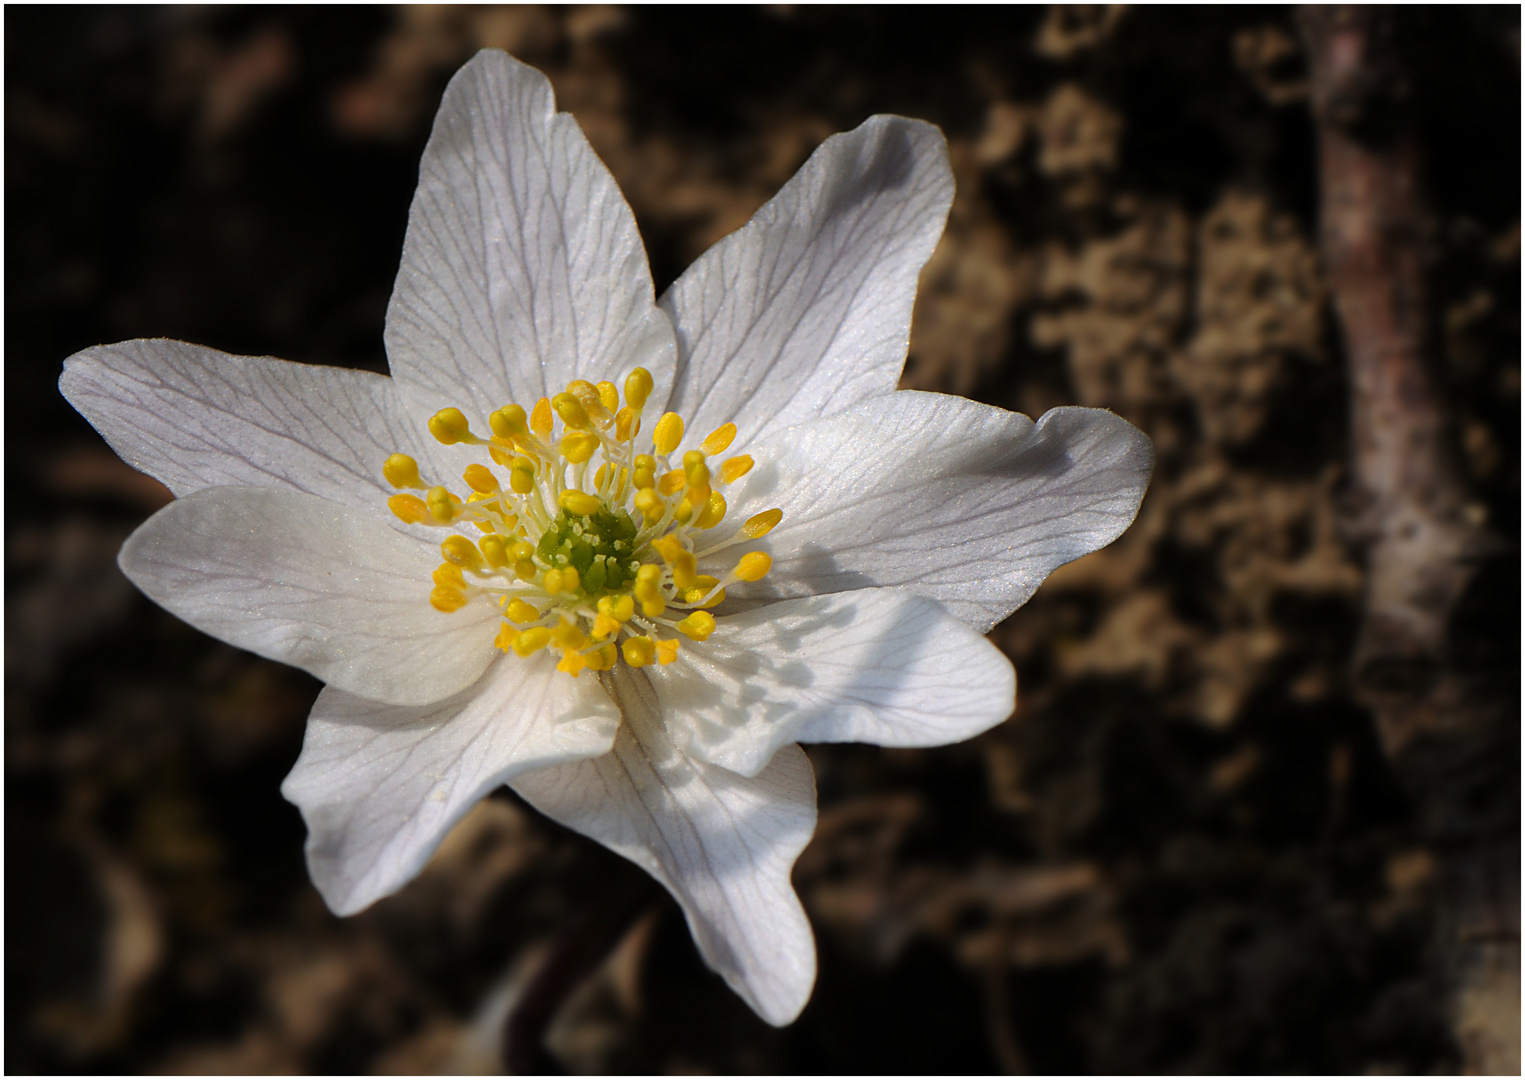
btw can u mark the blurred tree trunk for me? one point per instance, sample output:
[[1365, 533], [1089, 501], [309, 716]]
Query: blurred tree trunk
[[1446, 728]]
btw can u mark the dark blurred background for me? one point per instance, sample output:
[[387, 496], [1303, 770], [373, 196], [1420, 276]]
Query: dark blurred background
[[1187, 852]]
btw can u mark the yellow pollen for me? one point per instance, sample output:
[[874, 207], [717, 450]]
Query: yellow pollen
[[572, 412], [572, 662], [449, 427], [441, 505], [698, 626], [409, 508], [719, 440], [520, 612], [638, 386], [540, 418], [754, 566], [507, 635], [672, 482], [495, 550], [579, 446], [609, 396], [449, 576], [532, 640], [509, 423], [668, 433], [714, 511], [667, 651], [639, 651], [619, 608], [579, 502], [462, 552], [733, 469], [401, 471], [568, 636], [446, 599], [760, 525], [481, 480]]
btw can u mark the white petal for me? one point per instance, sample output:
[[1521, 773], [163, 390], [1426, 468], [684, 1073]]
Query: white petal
[[970, 505], [333, 591], [875, 666], [806, 310], [194, 418], [722, 844], [522, 268], [380, 785]]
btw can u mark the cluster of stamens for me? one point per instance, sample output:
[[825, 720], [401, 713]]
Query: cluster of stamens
[[595, 562]]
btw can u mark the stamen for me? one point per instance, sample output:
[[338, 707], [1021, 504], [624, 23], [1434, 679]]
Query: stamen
[[401, 471]]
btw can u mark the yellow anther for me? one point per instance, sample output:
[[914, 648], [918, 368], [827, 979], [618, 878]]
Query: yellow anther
[[698, 626], [541, 418], [521, 475], [648, 590], [578, 446], [718, 440], [449, 426], [521, 612], [551, 583], [409, 508], [649, 503], [672, 483], [446, 599], [713, 513], [572, 662], [587, 393], [667, 651], [668, 433], [702, 589], [567, 636], [604, 627], [639, 651], [638, 386], [685, 573], [401, 471], [692, 460], [480, 479], [603, 658], [684, 511], [626, 424], [579, 502], [500, 455], [509, 422], [462, 552], [645, 474], [441, 505], [532, 640], [572, 412], [525, 569], [754, 566], [699, 495], [762, 524], [521, 552], [449, 576], [666, 546], [507, 635], [609, 395], [495, 550], [619, 608], [571, 580], [733, 469]]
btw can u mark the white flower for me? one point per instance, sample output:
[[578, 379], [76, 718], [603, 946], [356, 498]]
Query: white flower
[[911, 522]]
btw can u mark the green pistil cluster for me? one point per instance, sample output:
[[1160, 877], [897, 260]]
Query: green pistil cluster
[[599, 546]]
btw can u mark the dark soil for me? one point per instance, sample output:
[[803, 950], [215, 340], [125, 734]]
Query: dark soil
[[1185, 853]]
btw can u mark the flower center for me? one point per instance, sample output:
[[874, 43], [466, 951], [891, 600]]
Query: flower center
[[596, 563]]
